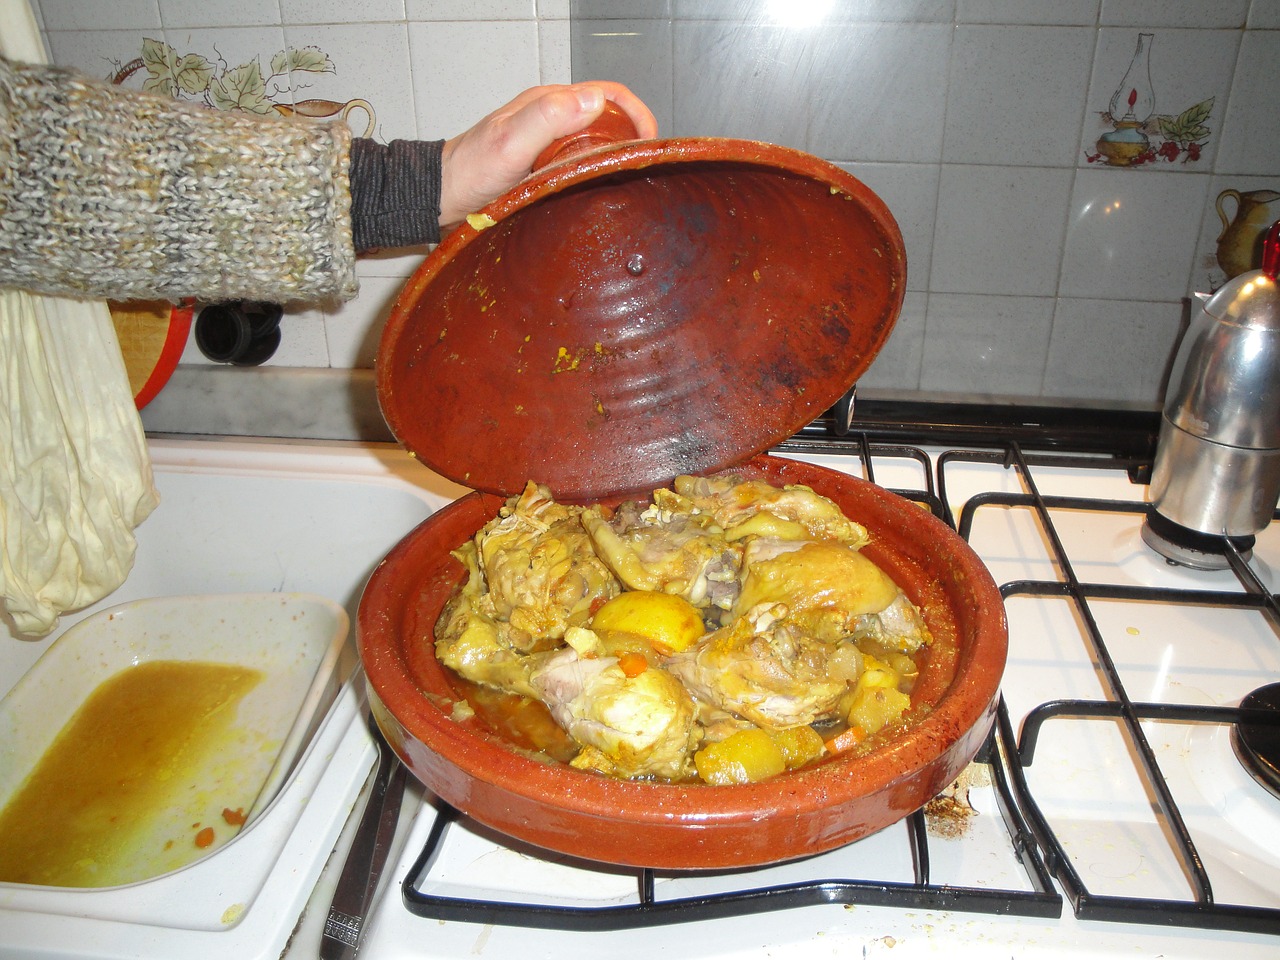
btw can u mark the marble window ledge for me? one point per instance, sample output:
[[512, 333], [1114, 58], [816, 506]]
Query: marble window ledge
[[294, 402], [307, 403]]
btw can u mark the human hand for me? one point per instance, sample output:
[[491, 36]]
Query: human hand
[[498, 152]]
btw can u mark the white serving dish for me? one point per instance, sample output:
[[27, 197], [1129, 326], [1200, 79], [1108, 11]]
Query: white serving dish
[[237, 517], [293, 639]]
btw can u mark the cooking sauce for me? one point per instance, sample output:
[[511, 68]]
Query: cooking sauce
[[135, 751], [527, 723]]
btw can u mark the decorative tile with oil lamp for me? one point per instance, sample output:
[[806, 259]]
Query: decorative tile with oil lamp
[[1139, 135]]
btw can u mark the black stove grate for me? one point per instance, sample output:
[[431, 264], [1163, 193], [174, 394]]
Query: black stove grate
[[1038, 899], [1201, 910]]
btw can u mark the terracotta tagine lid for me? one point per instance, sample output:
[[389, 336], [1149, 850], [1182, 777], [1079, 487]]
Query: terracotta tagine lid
[[638, 310]]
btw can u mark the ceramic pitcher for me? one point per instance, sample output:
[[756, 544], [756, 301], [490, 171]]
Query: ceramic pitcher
[[1240, 243]]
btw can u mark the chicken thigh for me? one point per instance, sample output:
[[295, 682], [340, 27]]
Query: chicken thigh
[[629, 726], [542, 573], [663, 546], [831, 591], [754, 507], [763, 668]]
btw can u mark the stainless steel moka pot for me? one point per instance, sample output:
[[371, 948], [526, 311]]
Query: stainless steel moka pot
[[1217, 467]]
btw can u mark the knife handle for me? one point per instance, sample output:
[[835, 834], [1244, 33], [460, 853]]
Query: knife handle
[[358, 882]]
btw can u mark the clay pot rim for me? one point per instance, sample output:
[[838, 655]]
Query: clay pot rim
[[584, 793]]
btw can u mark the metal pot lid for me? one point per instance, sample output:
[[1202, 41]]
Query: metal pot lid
[[638, 311]]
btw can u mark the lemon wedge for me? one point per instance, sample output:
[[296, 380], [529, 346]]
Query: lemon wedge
[[669, 623]]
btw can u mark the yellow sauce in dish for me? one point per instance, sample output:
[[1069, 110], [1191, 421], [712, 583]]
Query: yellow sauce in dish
[[132, 754]]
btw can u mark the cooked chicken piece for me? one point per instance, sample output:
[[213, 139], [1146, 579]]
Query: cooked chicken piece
[[471, 641], [763, 668], [898, 626], [826, 585], [831, 591], [782, 568], [719, 724], [629, 726], [665, 547], [754, 507], [540, 569]]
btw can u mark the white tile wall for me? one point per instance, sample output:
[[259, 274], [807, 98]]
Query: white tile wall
[[986, 345], [87, 15], [341, 11], [1264, 14], [639, 49], [999, 230], [1175, 13], [492, 60], [1251, 128], [85, 51], [1033, 269], [881, 92], [1016, 94], [555, 60], [217, 13], [470, 9], [1061, 12], [1138, 336], [738, 80], [1132, 239]]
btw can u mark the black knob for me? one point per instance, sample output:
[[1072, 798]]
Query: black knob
[[242, 332]]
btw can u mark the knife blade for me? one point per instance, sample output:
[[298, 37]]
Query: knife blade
[[367, 857]]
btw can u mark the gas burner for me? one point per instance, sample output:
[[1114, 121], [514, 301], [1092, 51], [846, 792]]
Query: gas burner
[[1191, 548], [1257, 745]]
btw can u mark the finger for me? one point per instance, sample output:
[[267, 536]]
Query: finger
[[559, 112], [553, 112], [641, 116]]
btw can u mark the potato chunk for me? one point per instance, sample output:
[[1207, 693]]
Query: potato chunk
[[876, 699], [747, 756]]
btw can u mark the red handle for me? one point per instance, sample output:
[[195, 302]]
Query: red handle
[[612, 126], [1271, 251]]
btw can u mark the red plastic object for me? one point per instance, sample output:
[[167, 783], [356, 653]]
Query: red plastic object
[[1271, 251], [175, 342]]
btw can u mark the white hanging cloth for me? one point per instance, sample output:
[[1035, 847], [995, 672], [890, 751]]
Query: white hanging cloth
[[75, 473]]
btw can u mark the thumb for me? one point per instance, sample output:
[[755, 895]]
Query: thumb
[[558, 113]]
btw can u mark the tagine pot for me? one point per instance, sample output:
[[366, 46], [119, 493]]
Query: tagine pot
[[634, 311]]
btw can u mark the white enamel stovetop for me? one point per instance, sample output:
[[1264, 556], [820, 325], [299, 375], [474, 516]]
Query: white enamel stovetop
[[247, 515]]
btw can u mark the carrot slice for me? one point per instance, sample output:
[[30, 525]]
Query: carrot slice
[[633, 664], [846, 739]]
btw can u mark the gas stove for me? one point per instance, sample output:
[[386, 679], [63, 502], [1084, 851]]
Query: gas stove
[[1109, 814], [1114, 810]]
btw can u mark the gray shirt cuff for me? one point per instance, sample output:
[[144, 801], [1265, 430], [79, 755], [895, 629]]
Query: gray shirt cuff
[[395, 193]]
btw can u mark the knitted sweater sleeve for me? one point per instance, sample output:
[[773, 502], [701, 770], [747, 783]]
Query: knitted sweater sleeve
[[115, 193]]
